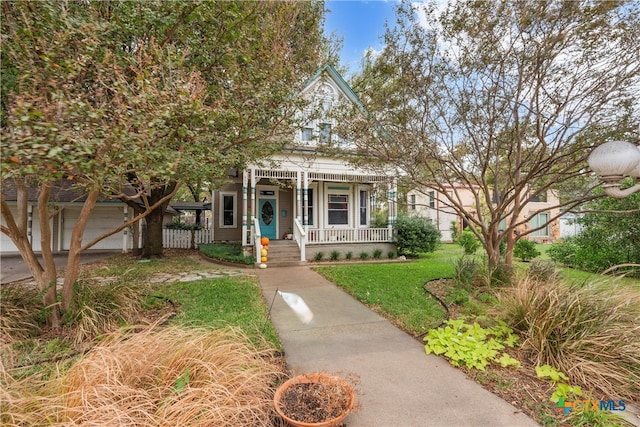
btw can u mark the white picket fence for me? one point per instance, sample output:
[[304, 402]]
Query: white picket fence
[[185, 239]]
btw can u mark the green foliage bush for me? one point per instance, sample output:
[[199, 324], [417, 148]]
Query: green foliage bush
[[525, 250], [377, 254], [364, 255], [348, 255], [231, 252], [608, 237], [416, 235], [563, 251], [318, 256], [468, 241], [334, 255]]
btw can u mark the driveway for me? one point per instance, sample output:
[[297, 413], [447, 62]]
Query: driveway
[[13, 268]]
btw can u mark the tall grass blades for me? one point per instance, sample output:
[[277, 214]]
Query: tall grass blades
[[590, 332], [103, 308], [170, 376], [20, 306]]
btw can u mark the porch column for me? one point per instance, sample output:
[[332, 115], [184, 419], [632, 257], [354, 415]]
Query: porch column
[[305, 219], [253, 196], [245, 213], [392, 196], [213, 216], [299, 195]]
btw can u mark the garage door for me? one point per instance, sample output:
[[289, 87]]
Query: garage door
[[7, 246], [103, 219]]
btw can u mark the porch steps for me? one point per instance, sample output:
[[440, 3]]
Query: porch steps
[[283, 253]]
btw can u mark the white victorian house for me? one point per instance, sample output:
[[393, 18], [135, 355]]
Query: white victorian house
[[318, 201]]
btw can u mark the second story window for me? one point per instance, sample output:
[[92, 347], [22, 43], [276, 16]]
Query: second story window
[[542, 197], [432, 199], [325, 133], [306, 134]]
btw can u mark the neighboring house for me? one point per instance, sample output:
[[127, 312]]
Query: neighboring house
[[569, 226], [433, 205], [322, 201], [107, 215]]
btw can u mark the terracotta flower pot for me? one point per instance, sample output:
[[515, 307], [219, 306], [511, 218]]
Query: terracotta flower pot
[[315, 378]]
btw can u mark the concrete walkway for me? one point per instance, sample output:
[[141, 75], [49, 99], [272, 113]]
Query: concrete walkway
[[400, 385]]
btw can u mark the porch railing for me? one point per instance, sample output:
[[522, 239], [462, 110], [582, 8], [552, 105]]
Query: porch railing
[[257, 235], [185, 239], [300, 237], [353, 235]]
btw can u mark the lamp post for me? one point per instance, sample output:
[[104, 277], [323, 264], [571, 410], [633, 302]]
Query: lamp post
[[614, 161]]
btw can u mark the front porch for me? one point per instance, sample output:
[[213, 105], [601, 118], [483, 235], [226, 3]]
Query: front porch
[[316, 209]]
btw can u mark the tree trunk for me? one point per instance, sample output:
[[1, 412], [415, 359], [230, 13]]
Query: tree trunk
[[50, 270], [153, 243], [73, 258], [153, 246]]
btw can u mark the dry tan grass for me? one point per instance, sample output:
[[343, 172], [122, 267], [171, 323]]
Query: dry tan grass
[[591, 333], [19, 307], [160, 376]]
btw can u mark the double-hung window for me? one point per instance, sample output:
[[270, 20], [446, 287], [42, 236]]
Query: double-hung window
[[364, 205], [338, 209], [228, 210]]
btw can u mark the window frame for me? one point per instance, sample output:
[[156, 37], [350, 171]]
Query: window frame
[[345, 192], [234, 211], [544, 231]]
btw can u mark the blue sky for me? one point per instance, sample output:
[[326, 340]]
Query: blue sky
[[360, 24]]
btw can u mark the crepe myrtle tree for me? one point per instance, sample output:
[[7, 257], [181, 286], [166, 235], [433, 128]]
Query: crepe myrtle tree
[[99, 97], [505, 98]]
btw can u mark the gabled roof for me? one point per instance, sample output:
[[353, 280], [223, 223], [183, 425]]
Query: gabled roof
[[329, 71]]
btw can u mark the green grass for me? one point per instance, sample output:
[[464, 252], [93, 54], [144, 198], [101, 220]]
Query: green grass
[[233, 302], [396, 289], [227, 252]]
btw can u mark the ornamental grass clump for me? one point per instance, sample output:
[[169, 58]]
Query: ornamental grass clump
[[590, 332], [168, 376]]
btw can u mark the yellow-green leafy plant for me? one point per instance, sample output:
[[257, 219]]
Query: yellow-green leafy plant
[[471, 345]]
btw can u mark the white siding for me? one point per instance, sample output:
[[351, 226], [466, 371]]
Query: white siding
[[103, 219]]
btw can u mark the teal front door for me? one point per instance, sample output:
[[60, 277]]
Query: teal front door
[[267, 216]]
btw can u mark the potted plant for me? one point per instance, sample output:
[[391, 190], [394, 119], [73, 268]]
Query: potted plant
[[288, 235], [314, 400]]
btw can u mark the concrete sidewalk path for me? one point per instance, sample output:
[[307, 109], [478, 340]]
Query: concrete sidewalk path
[[400, 385]]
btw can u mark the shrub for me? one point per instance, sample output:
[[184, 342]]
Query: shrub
[[391, 255], [318, 256], [364, 255], [499, 275], [469, 242], [563, 252], [348, 255], [416, 235], [231, 252], [525, 250], [377, 254], [589, 332], [334, 255], [455, 231]]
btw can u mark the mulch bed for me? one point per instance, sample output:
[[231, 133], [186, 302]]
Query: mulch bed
[[314, 402]]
